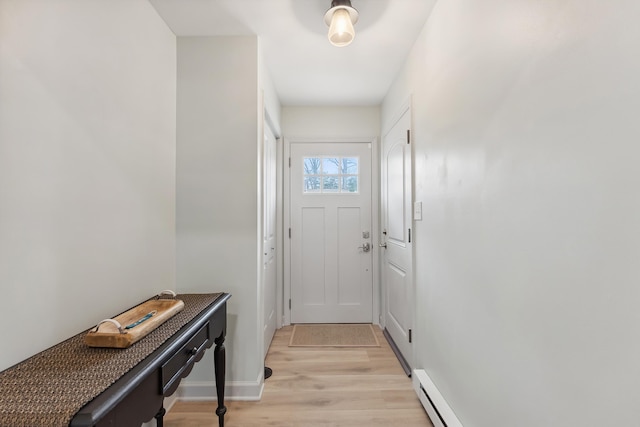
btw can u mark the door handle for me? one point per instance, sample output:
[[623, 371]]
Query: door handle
[[366, 247], [383, 245]]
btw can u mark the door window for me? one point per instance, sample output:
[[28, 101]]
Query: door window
[[330, 174]]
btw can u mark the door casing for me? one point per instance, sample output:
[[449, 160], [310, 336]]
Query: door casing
[[269, 243]]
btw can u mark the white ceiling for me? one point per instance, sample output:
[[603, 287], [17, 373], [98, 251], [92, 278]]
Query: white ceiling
[[306, 70]]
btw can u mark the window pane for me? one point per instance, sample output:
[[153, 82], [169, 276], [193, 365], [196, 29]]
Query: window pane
[[311, 184], [350, 165], [311, 166], [327, 174], [330, 166], [350, 184], [330, 184]]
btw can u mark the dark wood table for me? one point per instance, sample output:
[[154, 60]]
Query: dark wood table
[[138, 395], [72, 384]]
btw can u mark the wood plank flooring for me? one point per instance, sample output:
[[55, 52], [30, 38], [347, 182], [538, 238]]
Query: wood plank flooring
[[319, 387]]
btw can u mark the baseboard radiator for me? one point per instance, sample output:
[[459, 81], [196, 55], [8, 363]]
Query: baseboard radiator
[[437, 408]]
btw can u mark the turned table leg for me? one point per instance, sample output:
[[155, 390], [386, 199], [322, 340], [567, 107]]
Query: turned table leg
[[219, 357], [160, 417]]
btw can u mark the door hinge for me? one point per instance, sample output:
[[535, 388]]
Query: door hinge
[[409, 235], [289, 303], [408, 136], [289, 232], [409, 334], [289, 161]]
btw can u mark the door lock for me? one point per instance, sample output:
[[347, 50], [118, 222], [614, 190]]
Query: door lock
[[366, 247]]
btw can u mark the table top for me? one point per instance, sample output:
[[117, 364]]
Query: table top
[[50, 387]]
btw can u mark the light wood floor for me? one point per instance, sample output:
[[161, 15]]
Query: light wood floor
[[339, 387]]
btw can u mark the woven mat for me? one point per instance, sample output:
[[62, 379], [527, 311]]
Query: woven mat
[[334, 335], [50, 387]]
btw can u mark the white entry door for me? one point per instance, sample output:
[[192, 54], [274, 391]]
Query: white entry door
[[397, 262], [331, 256], [269, 238]]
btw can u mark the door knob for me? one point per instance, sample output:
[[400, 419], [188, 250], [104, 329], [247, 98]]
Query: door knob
[[366, 247]]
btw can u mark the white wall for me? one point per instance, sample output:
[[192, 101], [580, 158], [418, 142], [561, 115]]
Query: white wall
[[331, 122], [271, 102], [217, 195], [526, 161], [87, 154]]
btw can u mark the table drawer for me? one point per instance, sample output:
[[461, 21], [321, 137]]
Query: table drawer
[[173, 368]]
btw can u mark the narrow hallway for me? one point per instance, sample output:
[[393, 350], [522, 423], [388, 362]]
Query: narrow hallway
[[331, 386]]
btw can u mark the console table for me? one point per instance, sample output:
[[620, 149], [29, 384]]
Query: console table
[[64, 385]]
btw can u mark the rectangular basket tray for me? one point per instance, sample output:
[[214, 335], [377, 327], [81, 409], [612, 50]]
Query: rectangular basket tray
[[109, 336]]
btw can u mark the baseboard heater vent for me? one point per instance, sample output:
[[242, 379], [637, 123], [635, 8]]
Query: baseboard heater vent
[[437, 408]]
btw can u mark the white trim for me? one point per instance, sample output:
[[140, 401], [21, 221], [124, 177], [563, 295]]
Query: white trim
[[169, 401], [233, 390], [267, 122], [260, 222], [279, 234], [286, 223], [440, 408], [375, 218], [375, 226]]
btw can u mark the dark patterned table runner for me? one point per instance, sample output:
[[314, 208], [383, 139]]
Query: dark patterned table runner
[[50, 387]]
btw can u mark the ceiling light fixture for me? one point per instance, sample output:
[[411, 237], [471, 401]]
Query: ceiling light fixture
[[340, 19]]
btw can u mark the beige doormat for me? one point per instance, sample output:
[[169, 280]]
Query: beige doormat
[[334, 335]]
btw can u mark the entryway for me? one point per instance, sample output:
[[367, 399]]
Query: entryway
[[331, 262]]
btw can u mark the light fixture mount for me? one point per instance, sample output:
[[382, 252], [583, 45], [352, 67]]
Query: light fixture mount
[[340, 18]]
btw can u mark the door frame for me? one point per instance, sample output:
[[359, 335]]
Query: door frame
[[266, 120], [375, 219], [264, 208]]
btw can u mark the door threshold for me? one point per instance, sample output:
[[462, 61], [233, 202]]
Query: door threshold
[[396, 351]]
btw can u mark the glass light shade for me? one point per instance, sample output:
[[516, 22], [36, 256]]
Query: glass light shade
[[341, 31]]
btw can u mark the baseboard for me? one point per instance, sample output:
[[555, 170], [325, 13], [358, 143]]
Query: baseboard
[[170, 401], [206, 390], [434, 403], [233, 390]]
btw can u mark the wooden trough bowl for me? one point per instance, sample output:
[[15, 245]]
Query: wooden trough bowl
[[133, 325]]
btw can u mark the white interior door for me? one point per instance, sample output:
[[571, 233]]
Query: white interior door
[[397, 260], [331, 257], [269, 237]]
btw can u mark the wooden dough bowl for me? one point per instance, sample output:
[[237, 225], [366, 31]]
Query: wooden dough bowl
[[108, 334]]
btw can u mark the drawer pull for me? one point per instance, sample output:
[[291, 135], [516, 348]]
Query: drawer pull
[[193, 351]]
